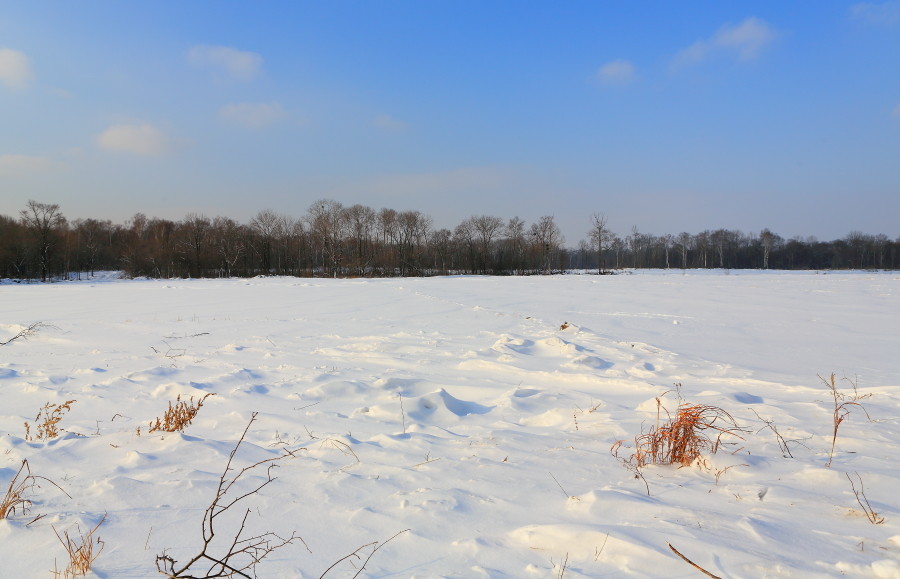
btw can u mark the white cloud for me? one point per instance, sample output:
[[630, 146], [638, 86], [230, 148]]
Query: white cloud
[[15, 72], [228, 63], [617, 72], [388, 123], [746, 39], [252, 116], [143, 139], [18, 164], [884, 14]]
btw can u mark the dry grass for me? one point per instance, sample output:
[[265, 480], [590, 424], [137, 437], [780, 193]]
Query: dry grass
[[47, 421], [82, 551], [15, 500], [179, 415], [863, 501], [695, 430], [15, 497], [841, 408]]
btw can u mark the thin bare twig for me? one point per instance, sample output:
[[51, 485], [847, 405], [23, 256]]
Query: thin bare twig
[[28, 332], [568, 496], [860, 494], [691, 563], [562, 568], [356, 551], [366, 562], [241, 556]]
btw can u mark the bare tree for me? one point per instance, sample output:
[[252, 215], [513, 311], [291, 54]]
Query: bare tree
[[668, 241], [684, 243], [440, 242], [464, 238], [767, 240], [485, 227], [636, 244], [91, 234], [361, 222], [43, 219], [327, 224], [413, 228], [514, 234], [265, 227], [228, 239], [195, 233], [389, 239], [599, 235], [546, 237]]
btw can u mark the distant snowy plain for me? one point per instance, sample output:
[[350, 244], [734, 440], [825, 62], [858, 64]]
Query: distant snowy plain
[[474, 416]]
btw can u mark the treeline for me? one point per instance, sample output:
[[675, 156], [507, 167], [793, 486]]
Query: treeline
[[358, 241]]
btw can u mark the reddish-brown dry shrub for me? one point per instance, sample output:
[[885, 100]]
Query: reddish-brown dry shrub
[[695, 430], [841, 409]]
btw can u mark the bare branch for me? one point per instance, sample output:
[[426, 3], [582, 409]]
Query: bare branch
[[860, 494], [28, 332], [692, 564], [242, 554]]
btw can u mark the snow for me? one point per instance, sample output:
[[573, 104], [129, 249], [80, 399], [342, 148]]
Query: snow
[[459, 413]]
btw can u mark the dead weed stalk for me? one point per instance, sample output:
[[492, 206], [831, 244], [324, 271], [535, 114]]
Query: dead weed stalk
[[179, 415], [863, 501], [47, 421], [841, 408], [28, 332], [355, 555], [15, 500], [82, 550]]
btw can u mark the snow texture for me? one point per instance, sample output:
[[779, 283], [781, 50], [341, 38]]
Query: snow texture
[[478, 413]]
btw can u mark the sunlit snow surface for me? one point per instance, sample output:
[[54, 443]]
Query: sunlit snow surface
[[457, 408]]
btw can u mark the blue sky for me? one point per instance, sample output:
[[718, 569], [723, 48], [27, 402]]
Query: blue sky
[[667, 116]]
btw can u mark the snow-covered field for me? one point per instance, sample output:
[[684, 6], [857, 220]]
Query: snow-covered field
[[459, 413]]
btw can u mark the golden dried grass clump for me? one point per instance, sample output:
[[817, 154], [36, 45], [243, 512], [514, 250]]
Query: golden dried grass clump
[[47, 421], [179, 415], [695, 430], [82, 551]]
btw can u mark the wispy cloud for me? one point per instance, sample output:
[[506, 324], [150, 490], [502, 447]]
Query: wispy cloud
[[896, 112], [617, 72], [20, 164], [15, 71], [389, 124], [883, 14], [252, 116], [144, 139], [746, 40], [227, 63]]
